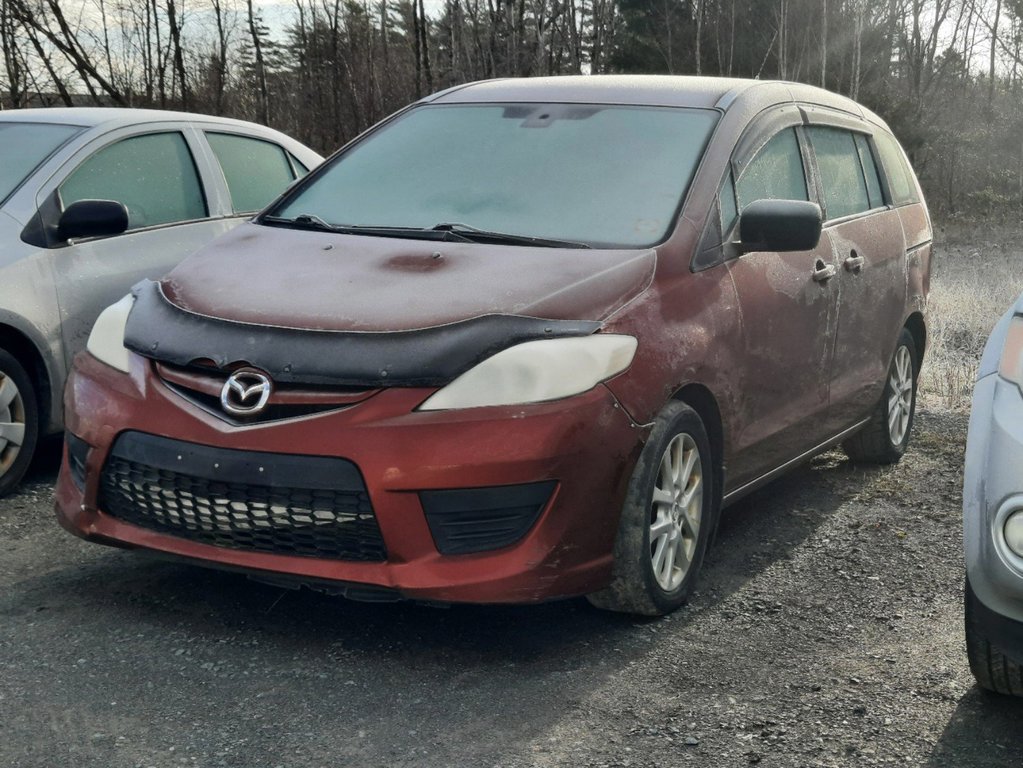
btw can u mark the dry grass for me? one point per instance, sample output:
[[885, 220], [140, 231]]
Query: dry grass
[[976, 275]]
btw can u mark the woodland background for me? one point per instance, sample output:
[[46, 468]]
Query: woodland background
[[946, 74]]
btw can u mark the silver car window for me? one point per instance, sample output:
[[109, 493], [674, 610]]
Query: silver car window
[[256, 171], [154, 176]]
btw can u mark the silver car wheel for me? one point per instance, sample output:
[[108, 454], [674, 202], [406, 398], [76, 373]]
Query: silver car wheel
[[12, 422], [675, 512], [900, 397]]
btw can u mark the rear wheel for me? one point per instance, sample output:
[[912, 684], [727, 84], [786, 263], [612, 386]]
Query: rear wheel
[[885, 437], [668, 517], [19, 422]]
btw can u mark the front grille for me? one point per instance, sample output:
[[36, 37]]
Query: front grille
[[201, 385], [311, 506]]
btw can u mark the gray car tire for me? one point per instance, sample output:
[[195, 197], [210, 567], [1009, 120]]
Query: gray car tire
[[992, 669], [874, 444], [17, 407]]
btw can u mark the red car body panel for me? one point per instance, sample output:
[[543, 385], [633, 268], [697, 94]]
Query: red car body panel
[[383, 284], [587, 444]]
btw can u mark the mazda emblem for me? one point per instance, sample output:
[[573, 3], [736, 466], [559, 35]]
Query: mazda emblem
[[245, 393]]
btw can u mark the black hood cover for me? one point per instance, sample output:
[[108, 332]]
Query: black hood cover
[[429, 357]]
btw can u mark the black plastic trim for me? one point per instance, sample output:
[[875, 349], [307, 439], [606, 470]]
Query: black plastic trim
[[428, 357], [77, 454], [238, 467], [467, 520]]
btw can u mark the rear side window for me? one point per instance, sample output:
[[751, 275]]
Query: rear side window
[[869, 171], [256, 171], [845, 190], [776, 173], [896, 169], [154, 176]]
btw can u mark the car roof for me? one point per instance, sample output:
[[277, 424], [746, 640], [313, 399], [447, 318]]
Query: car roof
[[652, 90], [111, 117]]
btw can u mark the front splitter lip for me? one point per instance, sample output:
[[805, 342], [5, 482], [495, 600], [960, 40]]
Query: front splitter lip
[[588, 444]]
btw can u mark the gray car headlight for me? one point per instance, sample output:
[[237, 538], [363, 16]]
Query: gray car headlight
[[536, 371], [106, 342], [1010, 366]]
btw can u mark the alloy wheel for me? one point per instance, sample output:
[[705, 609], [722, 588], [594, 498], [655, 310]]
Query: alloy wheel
[[675, 512], [12, 422], [900, 397]]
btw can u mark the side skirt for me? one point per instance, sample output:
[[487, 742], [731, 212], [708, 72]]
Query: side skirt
[[734, 495]]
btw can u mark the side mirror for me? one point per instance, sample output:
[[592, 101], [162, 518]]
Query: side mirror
[[779, 225], [92, 218]]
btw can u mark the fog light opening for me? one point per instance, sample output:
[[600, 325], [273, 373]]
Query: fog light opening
[[1013, 531]]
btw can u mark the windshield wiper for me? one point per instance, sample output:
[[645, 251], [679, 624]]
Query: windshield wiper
[[472, 233], [446, 231], [310, 221], [302, 221]]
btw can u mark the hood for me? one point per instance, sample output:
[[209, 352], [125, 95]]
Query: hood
[[331, 282]]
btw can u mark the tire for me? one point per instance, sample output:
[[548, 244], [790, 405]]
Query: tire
[[19, 422], [886, 436], [638, 586], [992, 669]]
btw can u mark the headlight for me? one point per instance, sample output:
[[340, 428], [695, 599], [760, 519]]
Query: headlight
[[106, 342], [536, 371], [1011, 365]]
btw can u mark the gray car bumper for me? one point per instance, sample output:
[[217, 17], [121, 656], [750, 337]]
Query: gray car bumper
[[992, 490]]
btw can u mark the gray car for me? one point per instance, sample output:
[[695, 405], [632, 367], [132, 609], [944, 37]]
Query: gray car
[[993, 512], [91, 202]]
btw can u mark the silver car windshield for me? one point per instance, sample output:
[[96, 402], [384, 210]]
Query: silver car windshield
[[24, 146], [595, 174]]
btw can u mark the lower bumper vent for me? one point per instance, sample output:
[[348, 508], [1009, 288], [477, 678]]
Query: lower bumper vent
[[481, 519], [310, 506]]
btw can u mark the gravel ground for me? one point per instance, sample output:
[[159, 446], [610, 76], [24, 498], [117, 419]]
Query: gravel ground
[[827, 632]]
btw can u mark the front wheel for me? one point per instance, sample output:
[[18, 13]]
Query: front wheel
[[991, 668], [19, 422], [668, 518], [885, 437]]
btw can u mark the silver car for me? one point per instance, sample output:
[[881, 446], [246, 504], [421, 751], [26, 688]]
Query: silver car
[[993, 512], [91, 202]]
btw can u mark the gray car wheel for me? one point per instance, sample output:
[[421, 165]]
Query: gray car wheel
[[992, 669], [667, 520], [19, 422], [886, 436]]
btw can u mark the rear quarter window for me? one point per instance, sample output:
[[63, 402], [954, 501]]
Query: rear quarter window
[[900, 176]]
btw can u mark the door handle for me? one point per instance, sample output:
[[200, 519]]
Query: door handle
[[823, 272], [854, 263]]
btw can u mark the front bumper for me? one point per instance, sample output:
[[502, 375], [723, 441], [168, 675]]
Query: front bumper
[[586, 445], [992, 486]]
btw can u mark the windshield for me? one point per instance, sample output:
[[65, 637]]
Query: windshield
[[24, 146], [601, 175]]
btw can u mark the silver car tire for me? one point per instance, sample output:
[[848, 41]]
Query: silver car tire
[[19, 422], [668, 518]]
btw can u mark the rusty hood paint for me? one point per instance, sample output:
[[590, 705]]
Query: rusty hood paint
[[326, 281]]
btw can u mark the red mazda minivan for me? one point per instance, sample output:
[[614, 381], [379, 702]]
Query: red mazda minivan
[[522, 340]]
